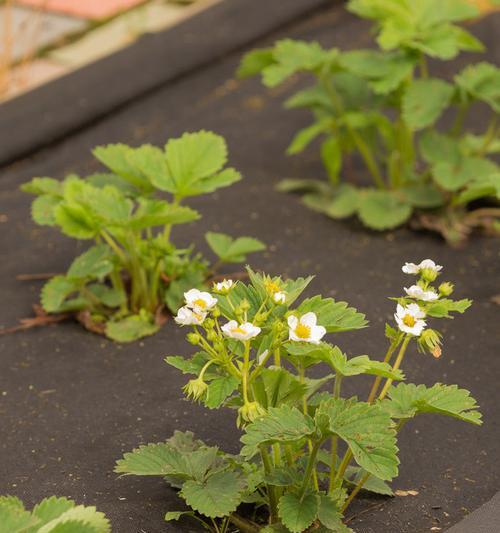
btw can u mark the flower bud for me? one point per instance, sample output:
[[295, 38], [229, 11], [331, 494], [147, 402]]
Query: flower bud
[[245, 305], [249, 412], [195, 389], [208, 324], [211, 335], [430, 341], [216, 312], [193, 338], [429, 274], [446, 288]]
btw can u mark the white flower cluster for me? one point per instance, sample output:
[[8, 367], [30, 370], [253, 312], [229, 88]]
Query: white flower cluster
[[410, 318], [198, 303]]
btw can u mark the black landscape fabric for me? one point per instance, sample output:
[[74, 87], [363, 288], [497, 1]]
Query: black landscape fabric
[[71, 402]]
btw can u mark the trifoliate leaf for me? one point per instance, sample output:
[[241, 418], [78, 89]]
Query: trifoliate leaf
[[481, 188], [40, 186], [131, 328], [55, 292], [296, 513], [254, 62], [102, 179], [51, 508], [437, 147], [217, 496], [443, 307], [153, 460], [482, 82], [334, 316], [83, 519], [281, 424], [422, 195], [454, 176], [424, 101], [231, 250], [151, 162], [151, 213], [71, 526], [42, 209], [109, 296], [219, 390], [94, 263], [116, 158], [13, 517], [407, 400], [383, 210], [226, 177], [189, 366], [368, 431], [310, 97], [109, 204], [329, 515]]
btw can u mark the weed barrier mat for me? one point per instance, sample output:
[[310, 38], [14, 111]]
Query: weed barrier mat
[[71, 402]]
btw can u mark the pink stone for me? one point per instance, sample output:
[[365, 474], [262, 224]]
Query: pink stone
[[89, 9]]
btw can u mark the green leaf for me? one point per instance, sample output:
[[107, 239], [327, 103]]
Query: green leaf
[[55, 292], [51, 508], [489, 186], [407, 400], [174, 295], [219, 390], [443, 307], [330, 516], [436, 147], [292, 56], [41, 186], [373, 484], [482, 82], [424, 101], [172, 516], [102, 179], [94, 263], [76, 221], [369, 433], [42, 209], [345, 202], [109, 296], [281, 424], [306, 135], [454, 176], [383, 210], [192, 365], [131, 328], [109, 204], [151, 213], [276, 387], [422, 195], [13, 517], [153, 460], [331, 155], [334, 316], [83, 519], [217, 496], [116, 158], [231, 250], [255, 62], [151, 162], [296, 513]]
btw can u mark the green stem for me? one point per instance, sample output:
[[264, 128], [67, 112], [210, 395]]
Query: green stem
[[333, 453], [118, 285], [387, 358], [310, 469], [424, 70], [489, 136], [167, 232], [277, 357], [458, 123], [343, 467], [244, 371], [273, 501], [243, 525], [397, 364]]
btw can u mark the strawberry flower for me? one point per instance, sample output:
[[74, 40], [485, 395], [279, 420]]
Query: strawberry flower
[[426, 264], [199, 301], [409, 319], [190, 317], [241, 332], [224, 286], [305, 329], [416, 291]]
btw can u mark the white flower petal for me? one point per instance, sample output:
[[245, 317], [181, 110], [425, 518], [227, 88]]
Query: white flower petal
[[293, 321], [309, 319]]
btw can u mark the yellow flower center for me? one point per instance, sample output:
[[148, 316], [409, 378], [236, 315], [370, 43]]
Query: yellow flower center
[[200, 303], [271, 287], [409, 320], [302, 331], [238, 329]]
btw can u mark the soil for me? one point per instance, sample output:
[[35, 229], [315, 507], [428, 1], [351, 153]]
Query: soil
[[71, 402]]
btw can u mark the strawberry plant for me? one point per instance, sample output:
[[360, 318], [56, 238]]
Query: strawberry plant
[[51, 515], [307, 450], [123, 283], [383, 107]]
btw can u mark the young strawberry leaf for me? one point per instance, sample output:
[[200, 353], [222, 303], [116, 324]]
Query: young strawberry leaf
[[219, 390], [381, 210], [43, 208], [131, 328], [297, 513], [96, 262], [230, 250]]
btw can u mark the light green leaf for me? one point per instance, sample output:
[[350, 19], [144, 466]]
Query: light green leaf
[[102, 179], [424, 101], [159, 213], [172, 516], [42, 209], [131, 328], [276, 387], [373, 484], [454, 176], [219, 390], [153, 460], [254, 62], [296, 513], [436, 147], [109, 296], [85, 519], [383, 210], [109, 204], [231, 250], [422, 195], [151, 162], [306, 135], [489, 186], [329, 515], [217, 496], [443, 307], [13, 517], [76, 221], [94, 263], [407, 400], [40, 186], [334, 316], [482, 82], [192, 365], [331, 155], [369, 433], [51, 508], [281, 424], [55, 292]]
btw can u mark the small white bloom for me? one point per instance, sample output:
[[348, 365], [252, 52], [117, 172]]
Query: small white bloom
[[304, 329], [199, 301], [409, 319], [189, 317], [224, 285], [279, 297], [416, 291], [242, 332], [412, 268]]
